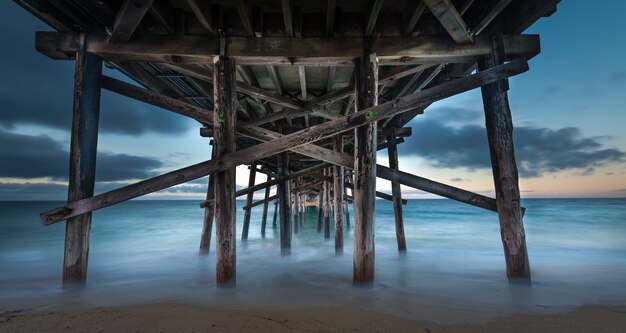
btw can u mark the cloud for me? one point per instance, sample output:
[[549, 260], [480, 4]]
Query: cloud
[[25, 156], [618, 76], [538, 150], [37, 90]]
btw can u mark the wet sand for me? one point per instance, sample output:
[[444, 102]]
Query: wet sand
[[198, 318]]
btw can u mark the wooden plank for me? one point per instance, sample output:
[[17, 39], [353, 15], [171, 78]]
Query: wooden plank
[[499, 124], [364, 192], [392, 151], [279, 50], [297, 141], [127, 19], [265, 207], [416, 10], [83, 148], [283, 203], [287, 17], [338, 190], [248, 212], [372, 17], [202, 10], [224, 120], [396, 73], [451, 20]]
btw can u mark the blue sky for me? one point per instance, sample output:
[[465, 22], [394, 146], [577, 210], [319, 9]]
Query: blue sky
[[568, 113]]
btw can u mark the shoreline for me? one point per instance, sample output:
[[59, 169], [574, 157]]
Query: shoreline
[[181, 317]]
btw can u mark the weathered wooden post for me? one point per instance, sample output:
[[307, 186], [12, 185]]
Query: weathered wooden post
[[338, 184], [366, 77], [326, 206], [347, 204], [275, 211], [285, 210], [320, 210], [248, 212], [83, 151], [392, 150], [499, 125], [265, 206], [209, 214], [296, 210], [303, 208], [224, 117]]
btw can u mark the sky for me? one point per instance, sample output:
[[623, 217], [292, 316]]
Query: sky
[[568, 112]]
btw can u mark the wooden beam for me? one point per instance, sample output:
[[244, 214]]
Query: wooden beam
[[276, 81], [202, 10], [372, 17], [287, 17], [244, 13], [330, 79], [83, 148], [275, 181], [491, 15], [366, 80], [338, 189], [326, 189], [209, 214], [273, 50], [320, 211], [392, 151], [265, 207], [451, 20], [465, 6], [127, 19], [248, 212], [259, 202], [499, 124], [163, 13], [329, 179], [297, 141], [224, 143], [302, 75], [330, 17], [284, 204], [415, 12]]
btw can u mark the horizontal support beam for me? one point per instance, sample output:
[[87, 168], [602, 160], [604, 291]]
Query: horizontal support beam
[[286, 142], [288, 51], [260, 202]]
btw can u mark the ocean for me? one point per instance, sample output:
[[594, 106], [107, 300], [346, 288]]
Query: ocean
[[147, 251]]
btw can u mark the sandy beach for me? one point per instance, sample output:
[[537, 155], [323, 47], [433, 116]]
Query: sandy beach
[[196, 318]]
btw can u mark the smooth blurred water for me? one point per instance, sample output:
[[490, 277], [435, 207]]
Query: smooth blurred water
[[146, 251]]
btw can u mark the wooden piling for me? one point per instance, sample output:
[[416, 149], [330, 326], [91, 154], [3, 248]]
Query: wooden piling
[[338, 184], [275, 213], [326, 206], [320, 211], [83, 150], [248, 212], [283, 202], [392, 150], [224, 117], [499, 125], [296, 211], [366, 71], [209, 214], [265, 206]]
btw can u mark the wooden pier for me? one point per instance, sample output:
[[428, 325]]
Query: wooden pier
[[303, 92]]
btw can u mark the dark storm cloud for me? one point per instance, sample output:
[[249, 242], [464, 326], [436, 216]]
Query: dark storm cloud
[[25, 156], [538, 150], [37, 90]]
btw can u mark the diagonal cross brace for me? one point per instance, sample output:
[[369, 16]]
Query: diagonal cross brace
[[286, 142]]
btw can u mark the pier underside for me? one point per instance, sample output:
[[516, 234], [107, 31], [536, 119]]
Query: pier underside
[[303, 92]]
